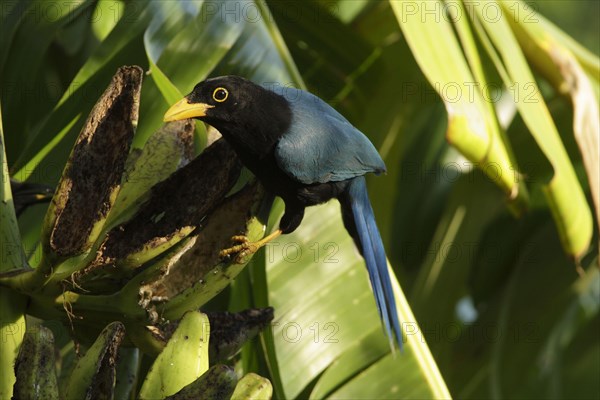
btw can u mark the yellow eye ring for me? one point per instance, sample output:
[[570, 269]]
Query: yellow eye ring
[[220, 94]]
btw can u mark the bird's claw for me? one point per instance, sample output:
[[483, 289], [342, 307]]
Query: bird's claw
[[241, 250], [240, 239]]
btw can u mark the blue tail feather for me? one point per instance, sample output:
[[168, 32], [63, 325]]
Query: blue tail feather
[[364, 231]]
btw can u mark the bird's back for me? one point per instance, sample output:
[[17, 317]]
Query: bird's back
[[321, 145]]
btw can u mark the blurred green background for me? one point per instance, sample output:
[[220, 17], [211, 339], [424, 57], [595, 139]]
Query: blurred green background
[[505, 307]]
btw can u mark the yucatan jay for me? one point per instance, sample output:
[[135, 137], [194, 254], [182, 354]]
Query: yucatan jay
[[305, 152]]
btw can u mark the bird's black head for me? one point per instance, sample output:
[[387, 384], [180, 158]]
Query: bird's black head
[[244, 112], [216, 99]]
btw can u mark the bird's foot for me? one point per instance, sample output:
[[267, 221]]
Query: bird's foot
[[241, 250], [245, 247]]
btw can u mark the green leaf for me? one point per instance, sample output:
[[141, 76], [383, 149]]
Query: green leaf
[[12, 305], [518, 370], [107, 14], [446, 228], [582, 306], [52, 136], [564, 194], [472, 125], [320, 291], [31, 28], [562, 61], [12, 253], [184, 43]]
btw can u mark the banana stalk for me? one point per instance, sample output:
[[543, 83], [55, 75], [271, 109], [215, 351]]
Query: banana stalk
[[12, 331], [191, 276]]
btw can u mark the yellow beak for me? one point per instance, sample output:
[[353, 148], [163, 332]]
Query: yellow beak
[[182, 110]]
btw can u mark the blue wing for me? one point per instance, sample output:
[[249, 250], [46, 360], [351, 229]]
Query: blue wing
[[321, 145]]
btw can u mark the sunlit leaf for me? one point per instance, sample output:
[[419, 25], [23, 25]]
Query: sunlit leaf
[[320, 291], [562, 61], [565, 196], [12, 306], [472, 126]]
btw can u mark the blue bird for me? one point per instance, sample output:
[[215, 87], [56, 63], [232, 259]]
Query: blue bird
[[305, 152]]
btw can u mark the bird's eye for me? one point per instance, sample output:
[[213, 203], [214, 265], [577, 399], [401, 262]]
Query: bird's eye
[[220, 94]]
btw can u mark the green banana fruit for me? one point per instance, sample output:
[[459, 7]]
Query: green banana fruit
[[175, 207], [95, 373], [35, 366], [167, 150], [127, 372], [88, 186], [170, 148], [184, 359], [230, 331], [150, 339], [202, 270], [135, 237], [218, 383], [183, 279], [92, 176], [194, 260], [253, 387]]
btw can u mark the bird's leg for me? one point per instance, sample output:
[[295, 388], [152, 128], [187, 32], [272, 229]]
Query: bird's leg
[[289, 222], [246, 247]]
